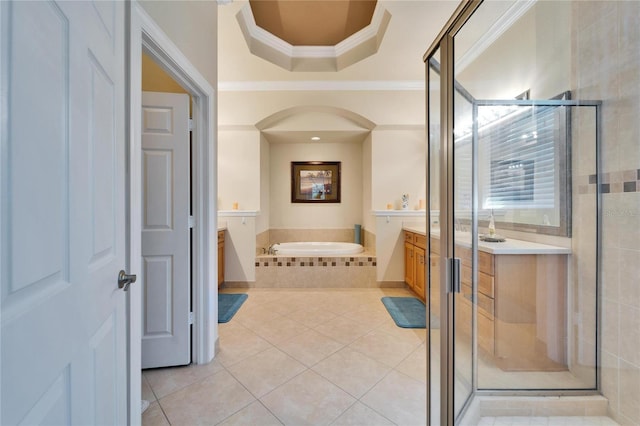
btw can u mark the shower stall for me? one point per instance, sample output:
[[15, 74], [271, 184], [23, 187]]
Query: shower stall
[[513, 211]]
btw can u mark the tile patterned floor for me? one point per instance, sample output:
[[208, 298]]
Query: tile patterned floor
[[300, 357], [314, 357]]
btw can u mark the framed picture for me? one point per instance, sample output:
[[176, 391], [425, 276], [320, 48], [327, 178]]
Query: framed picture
[[315, 181]]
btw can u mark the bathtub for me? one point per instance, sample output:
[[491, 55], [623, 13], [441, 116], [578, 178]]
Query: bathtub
[[317, 249]]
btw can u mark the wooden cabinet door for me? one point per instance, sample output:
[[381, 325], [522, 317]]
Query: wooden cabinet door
[[434, 289], [409, 264], [419, 272], [220, 258]]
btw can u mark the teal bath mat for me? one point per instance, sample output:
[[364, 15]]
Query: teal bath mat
[[228, 305], [407, 312]]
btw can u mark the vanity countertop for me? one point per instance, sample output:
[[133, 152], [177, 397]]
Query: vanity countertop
[[510, 246]]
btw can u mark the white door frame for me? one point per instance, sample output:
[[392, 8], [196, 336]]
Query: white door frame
[[145, 35]]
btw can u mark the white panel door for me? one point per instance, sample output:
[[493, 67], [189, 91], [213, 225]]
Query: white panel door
[[166, 278], [63, 213]]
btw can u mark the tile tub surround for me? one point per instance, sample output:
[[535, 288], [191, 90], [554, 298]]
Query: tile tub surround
[[316, 272]]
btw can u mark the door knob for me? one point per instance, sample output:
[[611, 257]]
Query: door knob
[[125, 280]]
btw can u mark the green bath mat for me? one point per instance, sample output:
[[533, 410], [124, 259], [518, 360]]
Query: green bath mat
[[228, 305], [407, 312]]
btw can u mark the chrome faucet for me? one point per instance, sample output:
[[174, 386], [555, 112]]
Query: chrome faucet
[[271, 250]]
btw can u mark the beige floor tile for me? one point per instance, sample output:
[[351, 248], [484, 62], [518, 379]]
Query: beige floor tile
[[286, 306], [383, 347], [308, 399], [238, 343], [390, 327], [254, 414], [370, 314], [344, 330], [147, 393], [279, 329], [265, 371], [258, 315], [153, 416], [408, 404], [415, 365], [164, 381], [352, 371], [310, 347], [206, 402], [361, 415], [311, 317]]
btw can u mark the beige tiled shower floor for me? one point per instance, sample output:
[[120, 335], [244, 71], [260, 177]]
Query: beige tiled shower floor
[[300, 356]]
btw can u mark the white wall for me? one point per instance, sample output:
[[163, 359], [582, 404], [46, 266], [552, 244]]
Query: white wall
[[262, 222], [192, 26], [368, 221], [239, 169], [398, 167], [287, 215], [390, 244], [239, 247]]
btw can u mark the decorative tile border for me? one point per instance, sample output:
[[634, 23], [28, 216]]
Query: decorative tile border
[[610, 183], [271, 261]]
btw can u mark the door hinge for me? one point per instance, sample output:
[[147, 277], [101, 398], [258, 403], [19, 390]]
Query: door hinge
[[190, 318], [192, 221], [190, 124]]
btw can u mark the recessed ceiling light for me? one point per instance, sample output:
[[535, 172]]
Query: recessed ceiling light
[[315, 138]]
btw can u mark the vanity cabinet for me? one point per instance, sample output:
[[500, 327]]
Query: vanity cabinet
[[521, 302], [220, 258], [485, 297], [414, 262]]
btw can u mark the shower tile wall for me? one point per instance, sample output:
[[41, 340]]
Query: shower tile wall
[[606, 66]]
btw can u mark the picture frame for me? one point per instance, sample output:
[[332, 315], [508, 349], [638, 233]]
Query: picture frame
[[315, 181]]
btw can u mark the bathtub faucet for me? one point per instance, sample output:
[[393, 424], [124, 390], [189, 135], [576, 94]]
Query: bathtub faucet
[[271, 250]]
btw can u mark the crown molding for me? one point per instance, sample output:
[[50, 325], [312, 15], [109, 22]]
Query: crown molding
[[358, 46], [321, 85]]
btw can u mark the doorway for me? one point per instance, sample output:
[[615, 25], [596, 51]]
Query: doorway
[[148, 37]]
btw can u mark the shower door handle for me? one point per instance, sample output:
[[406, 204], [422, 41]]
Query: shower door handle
[[453, 275]]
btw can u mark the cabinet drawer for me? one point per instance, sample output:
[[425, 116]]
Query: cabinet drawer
[[408, 237], [485, 304], [485, 263], [485, 260], [485, 281], [486, 334], [464, 254], [435, 245], [420, 240]]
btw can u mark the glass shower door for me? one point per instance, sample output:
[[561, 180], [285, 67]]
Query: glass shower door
[[451, 202], [433, 277]]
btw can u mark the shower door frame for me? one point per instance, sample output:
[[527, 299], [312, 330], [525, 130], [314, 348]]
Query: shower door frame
[[447, 286], [445, 43]]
